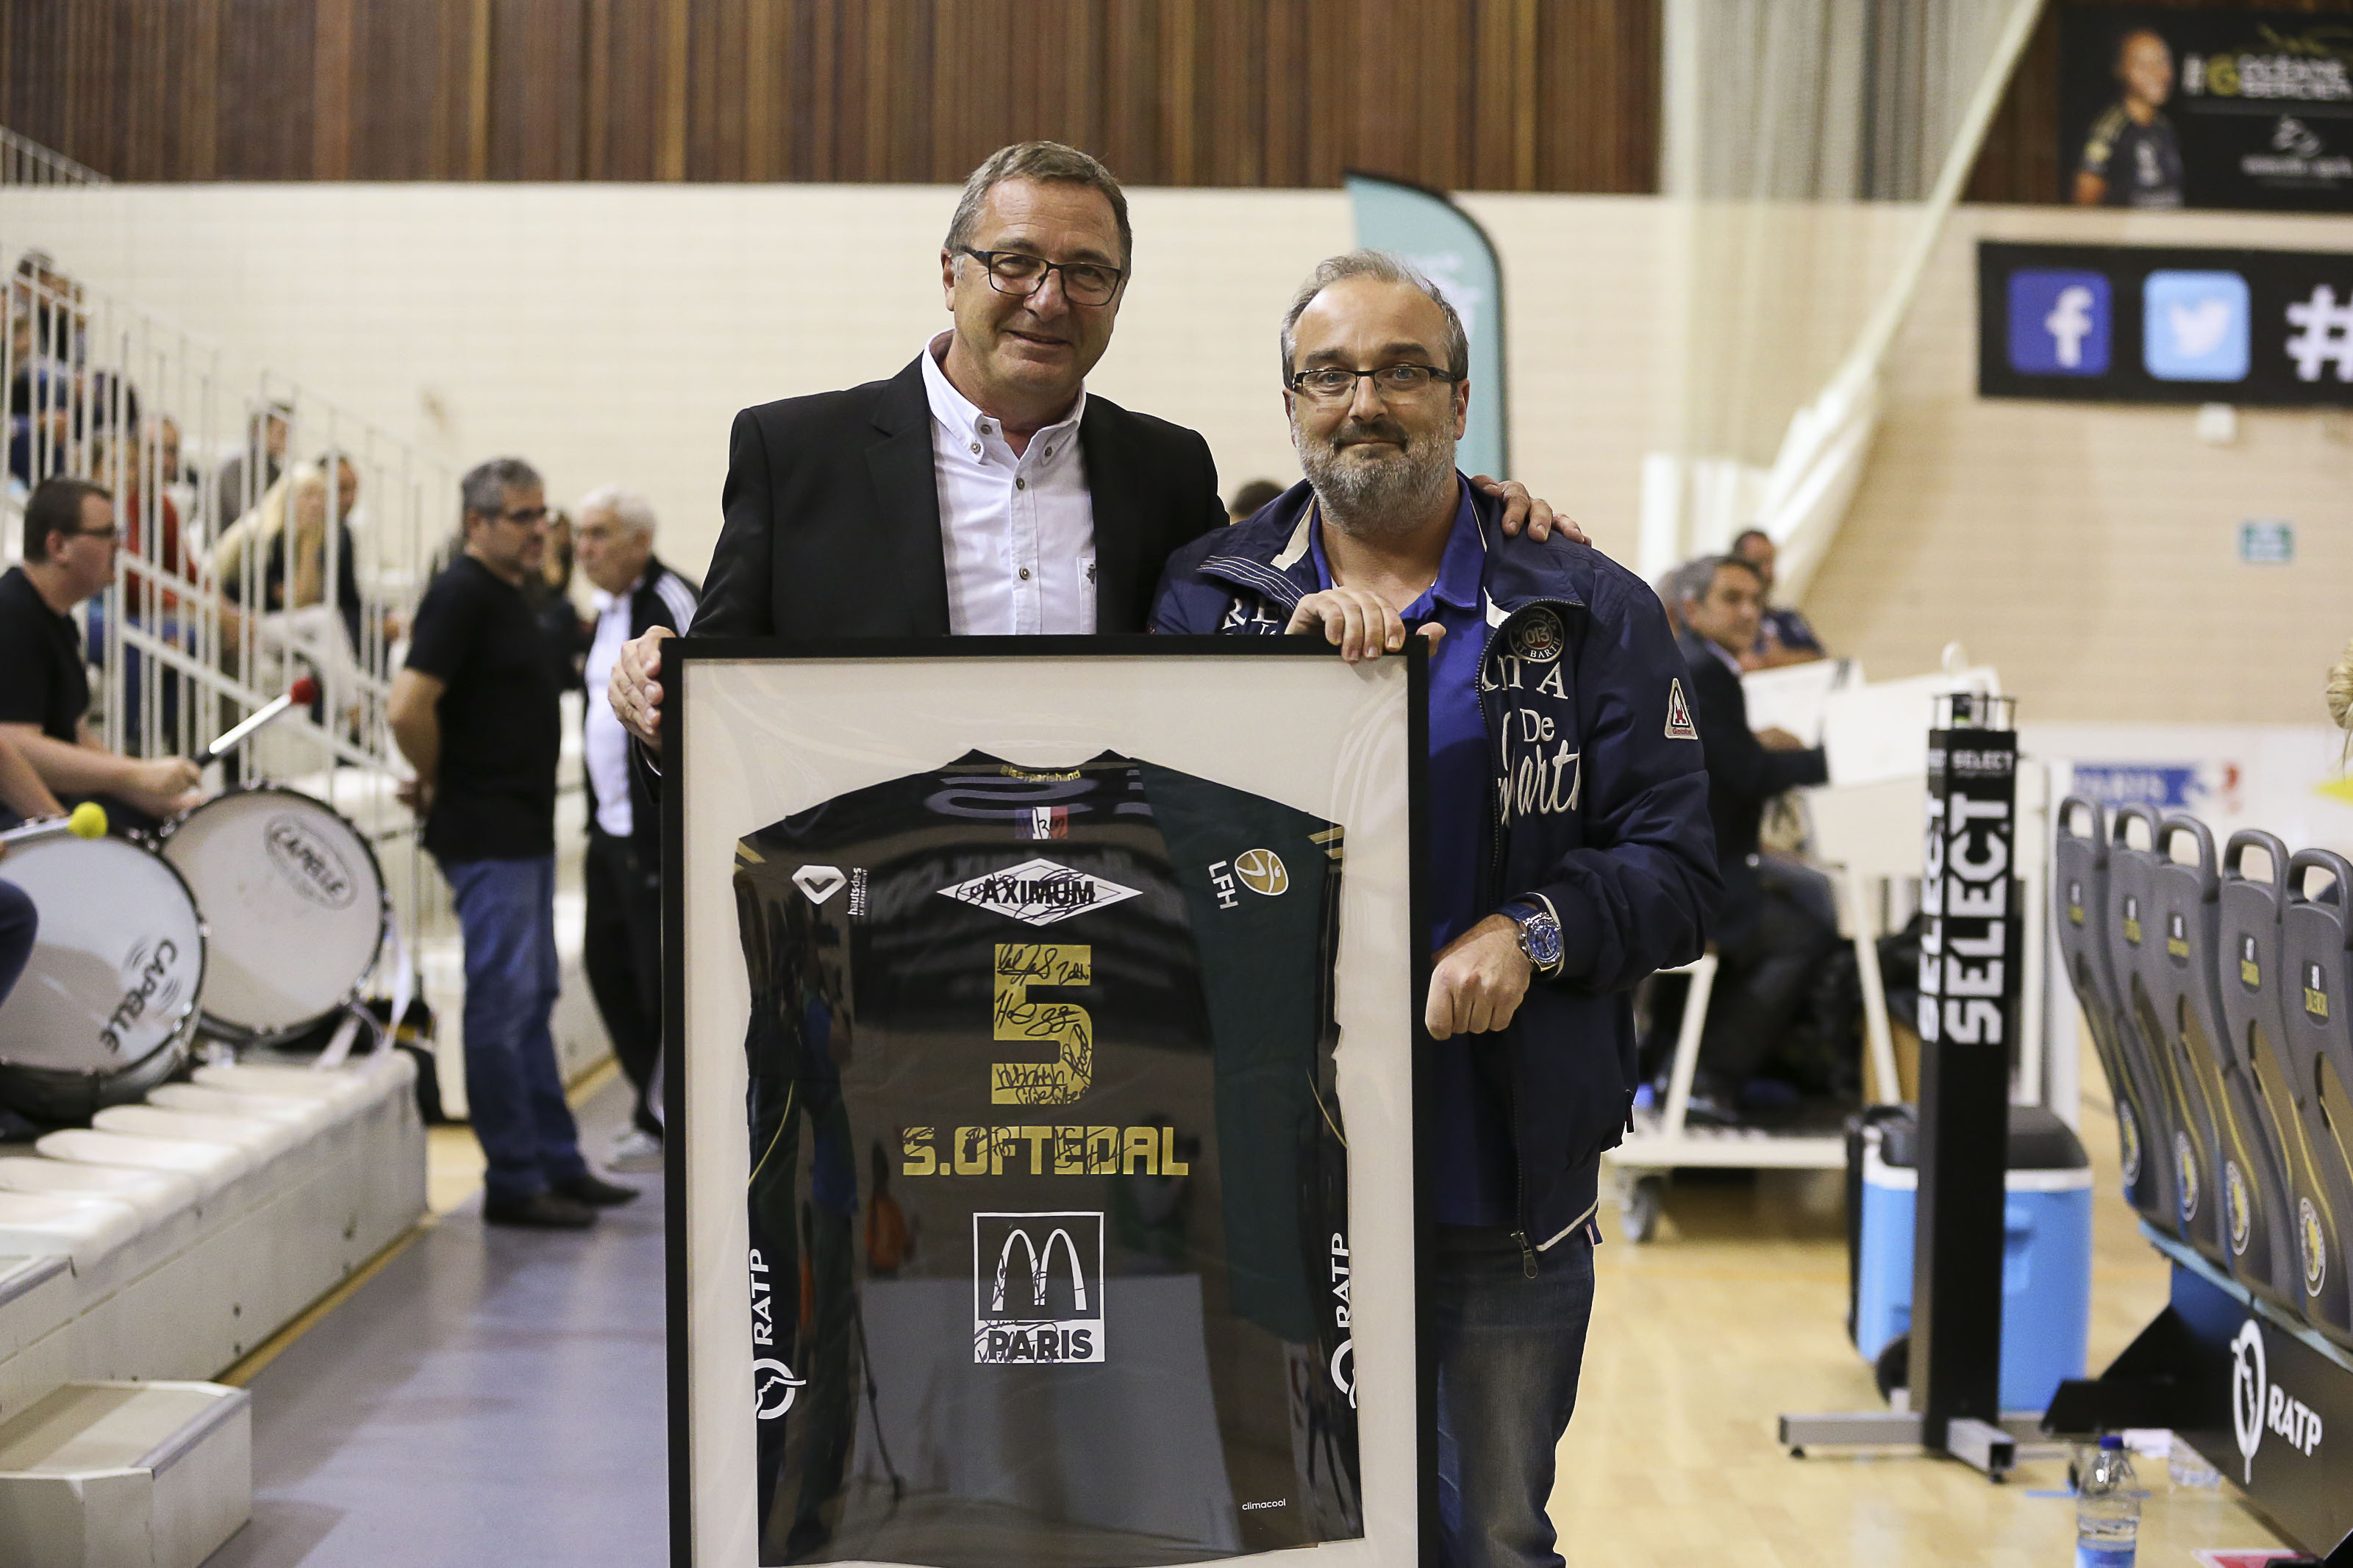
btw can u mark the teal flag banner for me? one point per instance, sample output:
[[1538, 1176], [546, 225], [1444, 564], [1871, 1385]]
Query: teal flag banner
[[1447, 244]]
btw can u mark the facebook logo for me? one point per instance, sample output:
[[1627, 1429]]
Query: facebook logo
[[2194, 326], [2058, 323]]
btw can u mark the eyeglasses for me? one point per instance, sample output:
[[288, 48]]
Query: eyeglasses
[[1330, 382], [108, 535], [525, 515], [1018, 273]]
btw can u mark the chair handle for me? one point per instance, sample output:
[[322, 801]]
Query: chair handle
[[2176, 823], [2275, 850], [2123, 816], [2339, 870], [2063, 821]]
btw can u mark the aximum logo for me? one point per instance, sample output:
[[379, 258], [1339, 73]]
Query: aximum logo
[[1037, 1287]]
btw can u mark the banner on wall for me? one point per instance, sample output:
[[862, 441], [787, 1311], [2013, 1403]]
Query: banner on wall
[[1448, 245], [2224, 107], [2165, 324]]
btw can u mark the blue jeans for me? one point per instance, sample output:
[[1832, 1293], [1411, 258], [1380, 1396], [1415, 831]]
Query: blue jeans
[[514, 1094], [1509, 1348]]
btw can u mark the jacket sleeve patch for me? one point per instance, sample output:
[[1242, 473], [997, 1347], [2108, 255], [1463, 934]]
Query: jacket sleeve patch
[[1678, 720]]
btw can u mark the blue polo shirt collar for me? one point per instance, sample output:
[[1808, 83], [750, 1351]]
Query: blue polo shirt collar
[[1459, 570]]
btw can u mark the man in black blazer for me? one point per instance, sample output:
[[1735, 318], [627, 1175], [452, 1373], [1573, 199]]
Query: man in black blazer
[[1770, 939], [981, 489]]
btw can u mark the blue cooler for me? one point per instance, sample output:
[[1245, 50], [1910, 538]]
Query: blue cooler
[[2046, 1271]]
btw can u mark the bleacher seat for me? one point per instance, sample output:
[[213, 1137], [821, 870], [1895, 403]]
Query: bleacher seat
[[2132, 924], [2080, 887], [2316, 954], [2253, 976], [2252, 1191]]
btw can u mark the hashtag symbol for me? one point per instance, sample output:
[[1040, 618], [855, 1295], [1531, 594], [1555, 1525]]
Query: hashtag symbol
[[2327, 335]]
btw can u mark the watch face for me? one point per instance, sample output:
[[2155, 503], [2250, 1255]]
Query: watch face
[[1543, 941]]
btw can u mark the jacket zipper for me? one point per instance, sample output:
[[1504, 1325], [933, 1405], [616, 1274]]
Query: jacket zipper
[[1495, 882]]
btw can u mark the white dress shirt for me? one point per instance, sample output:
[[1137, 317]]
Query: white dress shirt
[[606, 746], [1018, 533]]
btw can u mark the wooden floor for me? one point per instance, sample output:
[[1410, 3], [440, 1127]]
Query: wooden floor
[[1737, 1313]]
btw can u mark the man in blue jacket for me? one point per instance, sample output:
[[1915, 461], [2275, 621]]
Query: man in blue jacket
[[1569, 840]]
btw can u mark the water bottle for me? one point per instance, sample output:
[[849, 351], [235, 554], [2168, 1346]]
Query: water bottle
[[2107, 1509], [2187, 1467]]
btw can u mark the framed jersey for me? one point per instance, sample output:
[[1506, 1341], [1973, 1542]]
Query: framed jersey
[[1042, 1183]]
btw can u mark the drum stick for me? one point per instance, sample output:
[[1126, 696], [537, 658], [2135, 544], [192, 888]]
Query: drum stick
[[304, 691], [88, 821]]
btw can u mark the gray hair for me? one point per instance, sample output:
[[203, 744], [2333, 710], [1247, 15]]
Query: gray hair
[[1048, 161], [1691, 580], [484, 488], [634, 510], [1388, 268]]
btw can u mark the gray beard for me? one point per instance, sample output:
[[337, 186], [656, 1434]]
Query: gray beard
[[1383, 498]]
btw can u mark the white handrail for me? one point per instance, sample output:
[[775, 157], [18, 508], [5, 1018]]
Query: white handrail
[[24, 161], [264, 529]]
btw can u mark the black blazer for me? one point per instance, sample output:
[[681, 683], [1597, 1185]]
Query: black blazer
[[833, 516], [1742, 775]]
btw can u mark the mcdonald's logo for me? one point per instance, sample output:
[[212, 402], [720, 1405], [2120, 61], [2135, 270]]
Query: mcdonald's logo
[[1037, 1287]]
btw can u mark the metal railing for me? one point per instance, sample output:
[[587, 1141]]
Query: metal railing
[[26, 163], [267, 534]]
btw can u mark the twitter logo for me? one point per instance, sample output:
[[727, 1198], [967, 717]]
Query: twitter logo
[[2194, 326]]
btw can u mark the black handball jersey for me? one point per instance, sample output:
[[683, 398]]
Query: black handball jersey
[[1049, 1257]]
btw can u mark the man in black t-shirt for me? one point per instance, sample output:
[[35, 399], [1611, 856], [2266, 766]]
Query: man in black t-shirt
[[475, 711], [71, 538]]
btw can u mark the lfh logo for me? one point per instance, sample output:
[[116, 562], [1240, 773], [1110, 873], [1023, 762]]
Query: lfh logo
[[1037, 1287]]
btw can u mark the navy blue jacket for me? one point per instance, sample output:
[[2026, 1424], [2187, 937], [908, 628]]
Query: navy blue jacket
[[1601, 806]]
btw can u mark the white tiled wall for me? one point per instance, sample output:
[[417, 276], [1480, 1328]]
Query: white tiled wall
[[2090, 551], [609, 332]]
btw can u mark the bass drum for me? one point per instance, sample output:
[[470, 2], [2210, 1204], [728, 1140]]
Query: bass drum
[[295, 904], [105, 1006]]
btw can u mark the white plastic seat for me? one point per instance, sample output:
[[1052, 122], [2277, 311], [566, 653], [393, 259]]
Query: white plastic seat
[[155, 1193], [205, 1100], [264, 1140], [212, 1166], [340, 1087], [86, 1229]]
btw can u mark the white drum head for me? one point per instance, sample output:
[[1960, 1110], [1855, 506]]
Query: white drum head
[[293, 902], [117, 966]]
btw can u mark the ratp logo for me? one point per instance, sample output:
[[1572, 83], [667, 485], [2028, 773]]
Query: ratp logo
[[774, 1387], [2195, 326], [2248, 1386], [2059, 321], [2259, 1406], [1037, 1287]]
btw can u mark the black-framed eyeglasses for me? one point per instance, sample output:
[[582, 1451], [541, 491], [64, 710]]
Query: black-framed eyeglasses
[[1330, 382], [524, 514], [1019, 273]]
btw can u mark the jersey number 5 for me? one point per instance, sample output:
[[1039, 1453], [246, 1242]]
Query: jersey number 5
[[1020, 966]]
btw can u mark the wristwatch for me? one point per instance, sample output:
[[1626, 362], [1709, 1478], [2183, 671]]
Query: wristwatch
[[1539, 931]]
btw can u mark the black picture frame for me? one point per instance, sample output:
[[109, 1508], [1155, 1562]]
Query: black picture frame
[[678, 654]]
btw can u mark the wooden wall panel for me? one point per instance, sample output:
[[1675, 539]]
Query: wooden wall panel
[[1464, 94]]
